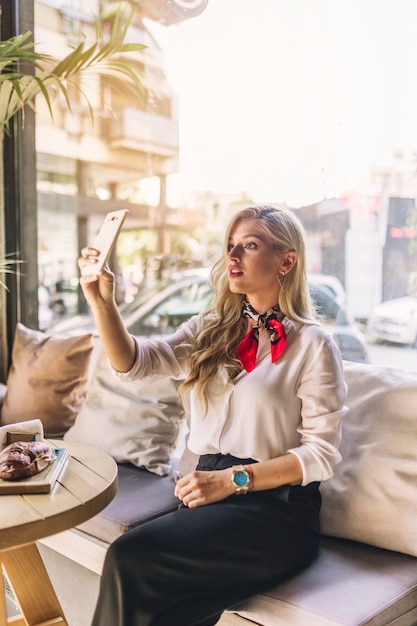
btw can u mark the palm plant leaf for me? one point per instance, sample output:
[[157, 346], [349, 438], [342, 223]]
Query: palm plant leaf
[[8, 266], [18, 48], [106, 57]]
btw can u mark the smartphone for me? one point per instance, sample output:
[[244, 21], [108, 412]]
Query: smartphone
[[105, 240]]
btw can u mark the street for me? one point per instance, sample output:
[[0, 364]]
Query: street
[[402, 357]]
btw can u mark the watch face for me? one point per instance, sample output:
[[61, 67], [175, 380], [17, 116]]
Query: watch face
[[240, 479]]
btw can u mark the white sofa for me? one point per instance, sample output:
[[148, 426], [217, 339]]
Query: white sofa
[[366, 570]]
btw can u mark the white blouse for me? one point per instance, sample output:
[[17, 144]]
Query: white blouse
[[293, 405]]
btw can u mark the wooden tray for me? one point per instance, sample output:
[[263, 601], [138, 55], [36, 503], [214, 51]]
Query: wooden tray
[[39, 483]]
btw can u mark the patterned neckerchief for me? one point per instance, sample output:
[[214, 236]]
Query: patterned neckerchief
[[271, 320]]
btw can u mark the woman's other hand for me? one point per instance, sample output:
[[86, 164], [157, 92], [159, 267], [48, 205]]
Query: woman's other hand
[[204, 487]]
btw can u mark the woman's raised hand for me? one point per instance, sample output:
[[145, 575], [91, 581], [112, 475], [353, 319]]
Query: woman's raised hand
[[97, 288]]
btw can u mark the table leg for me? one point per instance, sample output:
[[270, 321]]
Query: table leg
[[31, 586]]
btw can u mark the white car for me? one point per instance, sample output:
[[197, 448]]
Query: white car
[[394, 321], [330, 284]]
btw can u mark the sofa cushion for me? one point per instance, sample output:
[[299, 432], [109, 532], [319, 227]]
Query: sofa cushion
[[141, 496], [48, 379], [348, 584], [136, 423], [373, 495]]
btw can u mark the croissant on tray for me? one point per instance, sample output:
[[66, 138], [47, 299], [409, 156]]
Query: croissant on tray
[[22, 459]]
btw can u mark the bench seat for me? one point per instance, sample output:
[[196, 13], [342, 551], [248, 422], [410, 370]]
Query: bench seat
[[349, 584]]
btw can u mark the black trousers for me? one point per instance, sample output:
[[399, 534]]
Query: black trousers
[[187, 567]]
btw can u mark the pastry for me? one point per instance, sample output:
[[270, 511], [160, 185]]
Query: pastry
[[22, 459]]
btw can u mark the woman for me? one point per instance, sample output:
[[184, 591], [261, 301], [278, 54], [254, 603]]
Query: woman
[[263, 385]]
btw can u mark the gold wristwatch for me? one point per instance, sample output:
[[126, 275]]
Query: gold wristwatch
[[241, 479]]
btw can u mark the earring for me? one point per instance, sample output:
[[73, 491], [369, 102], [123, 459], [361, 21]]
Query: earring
[[281, 278]]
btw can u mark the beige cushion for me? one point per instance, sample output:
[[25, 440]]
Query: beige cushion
[[48, 379], [133, 422], [373, 495]]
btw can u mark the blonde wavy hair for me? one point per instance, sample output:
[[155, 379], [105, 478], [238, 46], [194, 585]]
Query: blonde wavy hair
[[222, 327]]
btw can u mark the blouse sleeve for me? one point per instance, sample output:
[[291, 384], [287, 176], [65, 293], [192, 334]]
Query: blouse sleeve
[[322, 391], [157, 358]]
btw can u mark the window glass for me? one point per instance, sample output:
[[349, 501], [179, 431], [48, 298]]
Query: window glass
[[304, 104], [172, 310]]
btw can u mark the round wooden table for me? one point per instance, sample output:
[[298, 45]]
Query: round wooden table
[[87, 483]]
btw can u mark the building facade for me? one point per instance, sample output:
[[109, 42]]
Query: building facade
[[88, 164]]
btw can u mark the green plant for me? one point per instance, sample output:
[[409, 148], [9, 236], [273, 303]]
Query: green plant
[[106, 56], [8, 266]]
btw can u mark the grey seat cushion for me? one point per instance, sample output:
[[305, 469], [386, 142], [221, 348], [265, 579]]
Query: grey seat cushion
[[349, 584], [141, 496]]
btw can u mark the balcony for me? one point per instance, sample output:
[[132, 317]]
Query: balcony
[[143, 131]]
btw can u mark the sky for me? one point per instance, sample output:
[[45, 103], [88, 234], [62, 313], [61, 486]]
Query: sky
[[291, 100]]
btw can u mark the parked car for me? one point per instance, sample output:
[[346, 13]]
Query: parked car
[[330, 284], [159, 310], [394, 321]]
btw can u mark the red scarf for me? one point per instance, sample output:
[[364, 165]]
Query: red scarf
[[248, 347]]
